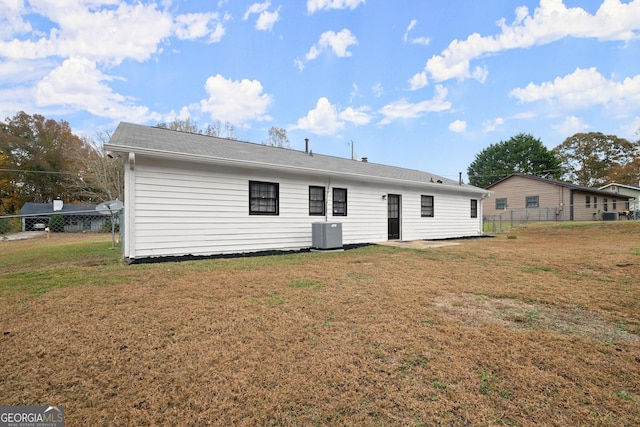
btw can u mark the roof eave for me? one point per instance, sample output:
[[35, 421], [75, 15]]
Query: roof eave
[[173, 155]]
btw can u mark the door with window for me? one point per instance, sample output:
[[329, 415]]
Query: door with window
[[393, 209]]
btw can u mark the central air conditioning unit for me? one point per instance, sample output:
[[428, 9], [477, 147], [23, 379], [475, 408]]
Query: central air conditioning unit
[[326, 235]]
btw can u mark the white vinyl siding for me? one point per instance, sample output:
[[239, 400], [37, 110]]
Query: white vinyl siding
[[180, 208]]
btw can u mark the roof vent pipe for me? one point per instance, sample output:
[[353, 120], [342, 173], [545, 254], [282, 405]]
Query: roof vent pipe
[[306, 145], [365, 159], [459, 178]]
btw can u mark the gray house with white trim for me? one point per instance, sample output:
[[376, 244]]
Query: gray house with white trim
[[195, 195]]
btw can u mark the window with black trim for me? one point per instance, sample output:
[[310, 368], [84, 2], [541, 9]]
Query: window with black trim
[[614, 204], [595, 202], [588, 202], [501, 203], [605, 204], [263, 198], [317, 205], [339, 202], [426, 206], [474, 208], [532, 201]]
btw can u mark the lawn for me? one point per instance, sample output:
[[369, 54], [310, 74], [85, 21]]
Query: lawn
[[537, 326]]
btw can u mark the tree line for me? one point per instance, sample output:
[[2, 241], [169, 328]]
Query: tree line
[[588, 159], [41, 160]]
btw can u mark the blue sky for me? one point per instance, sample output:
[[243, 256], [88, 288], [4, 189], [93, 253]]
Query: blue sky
[[420, 84]]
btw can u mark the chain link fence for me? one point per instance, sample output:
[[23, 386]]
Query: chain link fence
[[513, 218], [70, 222]]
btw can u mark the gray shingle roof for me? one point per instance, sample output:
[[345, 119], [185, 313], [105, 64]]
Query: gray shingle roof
[[31, 208], [147, 140], [555, 182]]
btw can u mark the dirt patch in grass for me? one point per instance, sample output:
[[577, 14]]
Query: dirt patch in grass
[[538, 327], [479, 311]]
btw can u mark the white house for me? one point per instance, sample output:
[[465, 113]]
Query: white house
[[195, 195]]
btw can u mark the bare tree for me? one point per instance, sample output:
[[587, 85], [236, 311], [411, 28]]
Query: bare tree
[[217, 128], [101, 175], [277, 138]]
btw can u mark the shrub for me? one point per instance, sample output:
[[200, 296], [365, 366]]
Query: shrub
[[56, 223]]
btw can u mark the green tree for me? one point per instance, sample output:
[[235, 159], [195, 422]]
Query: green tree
[[628, 174], [589, 158], [520, 154], [277, 138], [40, 161]]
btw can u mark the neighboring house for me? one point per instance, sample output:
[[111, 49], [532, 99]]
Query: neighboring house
[[195, 195], [528, 197], [630, 191], [77, 217]]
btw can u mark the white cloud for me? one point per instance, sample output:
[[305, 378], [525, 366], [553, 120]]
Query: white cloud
[[256, 8], [108, 32], [236, 101], [458, 126], [357, 116], [323, 120], [78, 84], [492, 125], [266, 19], [126, 31], [339, 43], [582, 88], [11, 21], [315, 5], [550, 22], [402, 109], [415, 40], [192, 26], [418, 81], [570, 125], [326, 119]]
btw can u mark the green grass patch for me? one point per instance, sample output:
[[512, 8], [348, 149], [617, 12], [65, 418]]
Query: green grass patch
[[624, 395], [32, 268], [274, 300]]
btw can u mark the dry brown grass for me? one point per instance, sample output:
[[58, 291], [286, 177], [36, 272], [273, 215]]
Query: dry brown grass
[[537, 327]]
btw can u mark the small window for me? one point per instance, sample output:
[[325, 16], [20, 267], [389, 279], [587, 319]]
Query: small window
[[263, 198], [474, 208], [614, 204], [426, 206], [501, 203], [532, 201], [317, 205], [605, 203], [339, 202], [587, 201], [595, 202]]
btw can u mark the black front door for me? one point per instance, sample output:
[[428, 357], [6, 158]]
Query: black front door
[[393, 203]]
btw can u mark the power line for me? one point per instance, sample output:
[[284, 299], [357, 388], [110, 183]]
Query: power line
[[42, 172]]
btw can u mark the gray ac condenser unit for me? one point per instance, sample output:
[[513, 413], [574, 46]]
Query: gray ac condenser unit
[[326, 235]]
